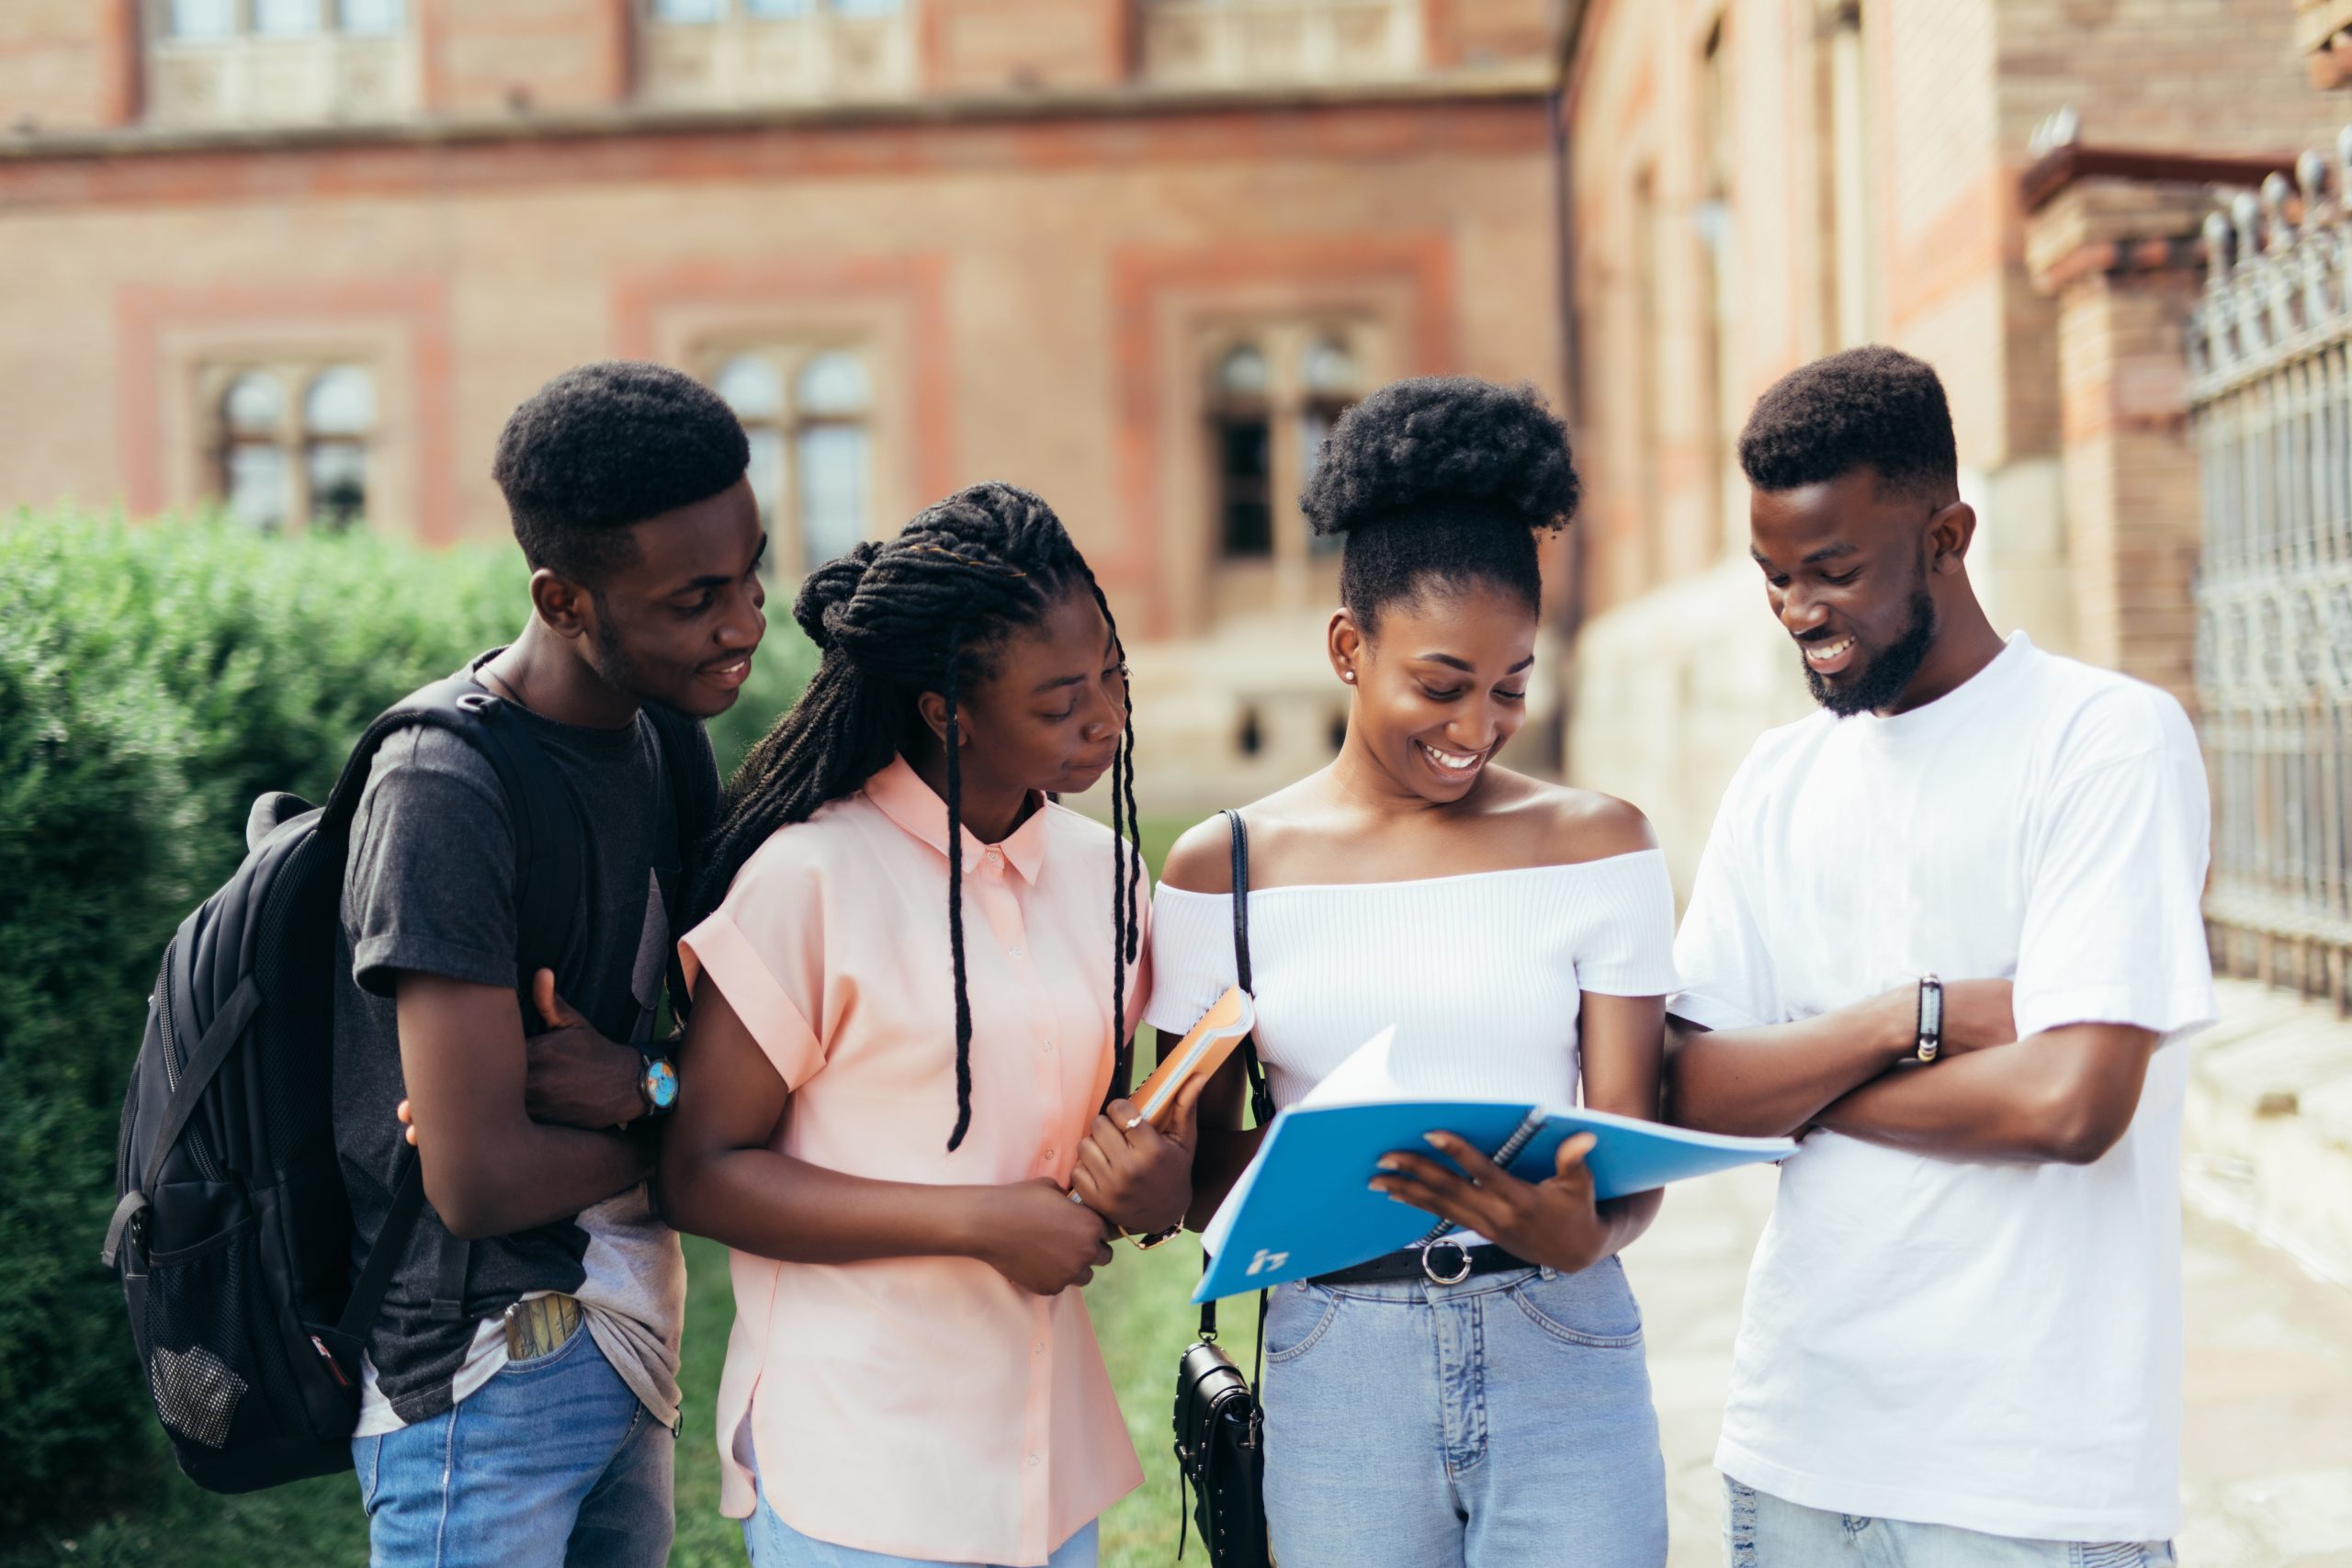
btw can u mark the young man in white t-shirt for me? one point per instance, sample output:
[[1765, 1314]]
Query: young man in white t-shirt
[[1961, 1341]]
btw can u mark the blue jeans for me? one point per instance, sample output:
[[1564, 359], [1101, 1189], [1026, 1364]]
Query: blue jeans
[[1503, 1421], [772, 1543], [1764, 1531], [551, 1462]]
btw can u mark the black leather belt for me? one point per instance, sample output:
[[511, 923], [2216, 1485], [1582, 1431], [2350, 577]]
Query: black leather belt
[[1441, 1263]]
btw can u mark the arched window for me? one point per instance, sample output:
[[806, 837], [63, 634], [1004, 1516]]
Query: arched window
[[809, 417], [755, 389], [338, 417], [1241, 443], [253, 471], [832, 394]]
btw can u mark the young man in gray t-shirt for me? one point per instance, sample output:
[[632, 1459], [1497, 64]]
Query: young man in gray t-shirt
[[531, 1416]]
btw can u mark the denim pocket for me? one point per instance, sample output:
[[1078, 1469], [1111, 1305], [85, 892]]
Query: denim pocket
[[546, 1358], [1594, 1309], [368, 1463], [1296, 1317]]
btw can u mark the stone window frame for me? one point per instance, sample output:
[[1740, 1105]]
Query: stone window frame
[[781, 435], [1296, 414], [245, 75], [816, 52], [1233, 43], [296, 435], [1297, 405]]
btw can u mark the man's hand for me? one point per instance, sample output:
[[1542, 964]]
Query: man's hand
[[575, 1077], [1136, 1176], [1554, 1222]]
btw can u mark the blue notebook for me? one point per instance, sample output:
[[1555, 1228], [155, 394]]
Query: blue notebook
[[1302, 1208]]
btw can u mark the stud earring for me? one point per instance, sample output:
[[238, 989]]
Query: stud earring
[[1349, 676]]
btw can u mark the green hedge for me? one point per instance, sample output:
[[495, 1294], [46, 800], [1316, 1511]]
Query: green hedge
[[153, 681]]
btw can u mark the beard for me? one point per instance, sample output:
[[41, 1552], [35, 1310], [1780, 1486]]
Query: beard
[[1882, 679], [611, 658]]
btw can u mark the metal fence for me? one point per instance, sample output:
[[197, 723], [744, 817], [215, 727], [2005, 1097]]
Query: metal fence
[[2270, 360]]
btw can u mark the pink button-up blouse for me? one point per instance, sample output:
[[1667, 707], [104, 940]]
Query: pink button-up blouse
[[921, 1408]]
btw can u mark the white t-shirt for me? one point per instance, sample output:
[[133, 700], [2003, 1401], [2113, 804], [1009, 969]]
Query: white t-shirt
[[1997, 1348]]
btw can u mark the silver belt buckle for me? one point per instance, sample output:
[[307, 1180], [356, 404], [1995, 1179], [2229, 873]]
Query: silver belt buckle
[[1445, 1273]]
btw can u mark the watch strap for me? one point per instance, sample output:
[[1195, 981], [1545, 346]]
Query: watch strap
[[1929, 1042]]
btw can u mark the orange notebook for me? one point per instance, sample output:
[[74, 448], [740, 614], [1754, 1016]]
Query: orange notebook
[[1199, 1054]]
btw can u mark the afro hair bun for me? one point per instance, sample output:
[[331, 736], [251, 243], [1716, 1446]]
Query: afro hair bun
[[1452, 441]]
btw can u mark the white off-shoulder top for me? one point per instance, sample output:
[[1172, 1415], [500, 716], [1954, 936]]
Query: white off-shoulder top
[[1481, 973]]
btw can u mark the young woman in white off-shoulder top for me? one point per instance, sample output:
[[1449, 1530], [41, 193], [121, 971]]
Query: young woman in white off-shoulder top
[[1520, 936]]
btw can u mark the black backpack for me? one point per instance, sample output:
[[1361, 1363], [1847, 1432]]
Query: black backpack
[[233, 1236]]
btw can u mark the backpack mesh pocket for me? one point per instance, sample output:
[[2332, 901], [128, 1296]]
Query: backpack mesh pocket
[[206, 1346]]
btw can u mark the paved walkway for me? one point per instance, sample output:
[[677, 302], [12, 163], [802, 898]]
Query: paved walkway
[[2268, 1451]]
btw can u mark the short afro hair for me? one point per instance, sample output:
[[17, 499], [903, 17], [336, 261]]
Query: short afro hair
[[1441, 479], [605, 446], [1874, 407]]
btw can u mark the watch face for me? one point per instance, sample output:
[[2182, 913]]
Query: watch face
[[661, 1084]]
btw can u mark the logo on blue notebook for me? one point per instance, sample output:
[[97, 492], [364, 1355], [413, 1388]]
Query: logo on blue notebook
[[1265, 1260]]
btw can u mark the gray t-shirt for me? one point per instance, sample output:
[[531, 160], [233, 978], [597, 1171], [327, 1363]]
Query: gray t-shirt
[[430, 887]]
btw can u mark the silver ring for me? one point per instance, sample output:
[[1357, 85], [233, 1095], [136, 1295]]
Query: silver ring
[[1076, 1199]]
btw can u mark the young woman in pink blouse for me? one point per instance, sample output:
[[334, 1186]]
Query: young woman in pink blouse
[[897, 1051]]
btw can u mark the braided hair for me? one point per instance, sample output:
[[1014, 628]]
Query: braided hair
[[922, 613]]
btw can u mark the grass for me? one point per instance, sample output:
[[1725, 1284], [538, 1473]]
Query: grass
[[1142, 1318]]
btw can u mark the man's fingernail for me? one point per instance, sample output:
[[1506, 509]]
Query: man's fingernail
[[1390, 1164]]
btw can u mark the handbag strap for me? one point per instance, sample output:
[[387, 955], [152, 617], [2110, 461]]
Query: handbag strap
[[1262, 1099]]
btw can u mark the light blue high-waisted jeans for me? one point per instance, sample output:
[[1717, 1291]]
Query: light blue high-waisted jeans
[[1500, 1423]]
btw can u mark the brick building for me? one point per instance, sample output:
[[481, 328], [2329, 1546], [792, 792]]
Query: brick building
[[302, 256], [1755, 183], [2154, 408]]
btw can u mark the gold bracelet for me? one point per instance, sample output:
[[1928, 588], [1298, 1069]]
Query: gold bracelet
[[1157, 1238]]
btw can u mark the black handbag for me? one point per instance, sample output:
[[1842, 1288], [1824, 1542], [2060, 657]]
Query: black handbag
[[1220, 1432]]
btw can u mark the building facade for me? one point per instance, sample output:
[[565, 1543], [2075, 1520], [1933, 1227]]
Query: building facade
[[299, 258], [1755, 183], [2100, 219]]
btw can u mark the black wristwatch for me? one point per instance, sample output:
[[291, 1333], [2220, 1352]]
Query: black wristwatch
[[657, 1086], [1929, 1040]]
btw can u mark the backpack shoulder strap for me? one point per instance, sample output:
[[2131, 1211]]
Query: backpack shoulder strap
[[685, 746], [549, 844], [549, 840]]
